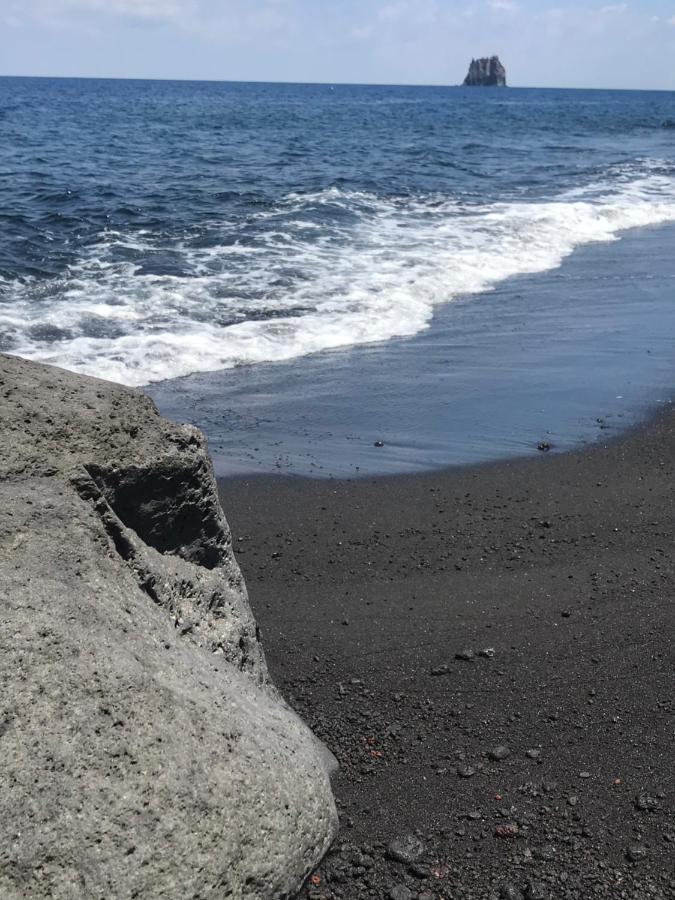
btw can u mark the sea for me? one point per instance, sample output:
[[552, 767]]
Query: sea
[[343, 280]]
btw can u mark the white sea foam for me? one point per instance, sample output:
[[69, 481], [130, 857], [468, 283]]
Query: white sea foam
[[301, 286]]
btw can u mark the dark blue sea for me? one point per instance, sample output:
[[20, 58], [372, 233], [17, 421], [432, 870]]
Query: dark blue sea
[[308, 270]]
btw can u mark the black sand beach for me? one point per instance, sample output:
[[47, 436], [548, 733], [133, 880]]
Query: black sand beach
[[489, 653]]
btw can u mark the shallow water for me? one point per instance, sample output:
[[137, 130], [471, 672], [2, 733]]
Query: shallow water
[[568, 357]]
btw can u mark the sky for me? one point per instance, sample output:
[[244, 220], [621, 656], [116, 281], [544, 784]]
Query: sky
[[545, 43]]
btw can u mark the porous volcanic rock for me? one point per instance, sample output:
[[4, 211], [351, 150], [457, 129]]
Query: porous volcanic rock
[[486, 72], [144, 751]]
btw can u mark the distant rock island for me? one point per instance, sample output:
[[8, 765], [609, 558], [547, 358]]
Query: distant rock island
[[486, 72]]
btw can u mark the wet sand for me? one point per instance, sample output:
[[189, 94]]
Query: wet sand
[[568, 356], [428, 625]]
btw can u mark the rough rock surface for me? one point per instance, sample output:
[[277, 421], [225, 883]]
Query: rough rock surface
[[144, 751], [486, 72]]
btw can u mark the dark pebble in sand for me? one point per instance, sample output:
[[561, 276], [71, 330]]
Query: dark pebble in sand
[[406, 849], [499, 753], [507, 832], [440, 670], [465, 655], [645, 803], [544, 446], [636, 853], [466, 771], [420, 871], [378, 444], [400, 892], [510, 892]]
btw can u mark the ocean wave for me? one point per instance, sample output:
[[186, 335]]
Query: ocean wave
[[318, 271]]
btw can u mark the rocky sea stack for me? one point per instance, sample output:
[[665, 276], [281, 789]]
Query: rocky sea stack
[[145, 751], [486, 72]]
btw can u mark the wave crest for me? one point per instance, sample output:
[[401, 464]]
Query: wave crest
[[318, 271]]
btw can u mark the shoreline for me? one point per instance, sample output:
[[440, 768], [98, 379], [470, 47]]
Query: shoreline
[[564, 356], [369, 593], [653, 415]]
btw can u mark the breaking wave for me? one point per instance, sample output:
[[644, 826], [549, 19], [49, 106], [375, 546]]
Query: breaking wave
[[317, 271]]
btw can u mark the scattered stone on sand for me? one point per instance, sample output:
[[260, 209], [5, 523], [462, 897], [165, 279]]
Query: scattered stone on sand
[[509, 831], [400, 892], [440, 670], [406, 849], [535, 890], [499, 753], [636, 853], [465, 655], [544, 446], [645, 803], [510, 892], [466, 771]]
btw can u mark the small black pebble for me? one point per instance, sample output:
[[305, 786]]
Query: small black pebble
[[636, 853]]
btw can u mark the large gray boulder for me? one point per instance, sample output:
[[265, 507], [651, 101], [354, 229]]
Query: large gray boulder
[[144, 752], [486, 72]]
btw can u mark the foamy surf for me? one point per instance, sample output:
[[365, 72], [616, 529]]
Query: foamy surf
[[317, 272]]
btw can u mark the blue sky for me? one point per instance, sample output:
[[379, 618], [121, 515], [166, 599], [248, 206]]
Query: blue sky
[[542, 42]]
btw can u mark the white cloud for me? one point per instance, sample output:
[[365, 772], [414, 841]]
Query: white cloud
[[59, 12], [142, 9], [613, 9], [224, 20], [503, 5]]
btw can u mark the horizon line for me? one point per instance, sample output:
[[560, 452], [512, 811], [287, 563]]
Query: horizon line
[[329, 83]]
